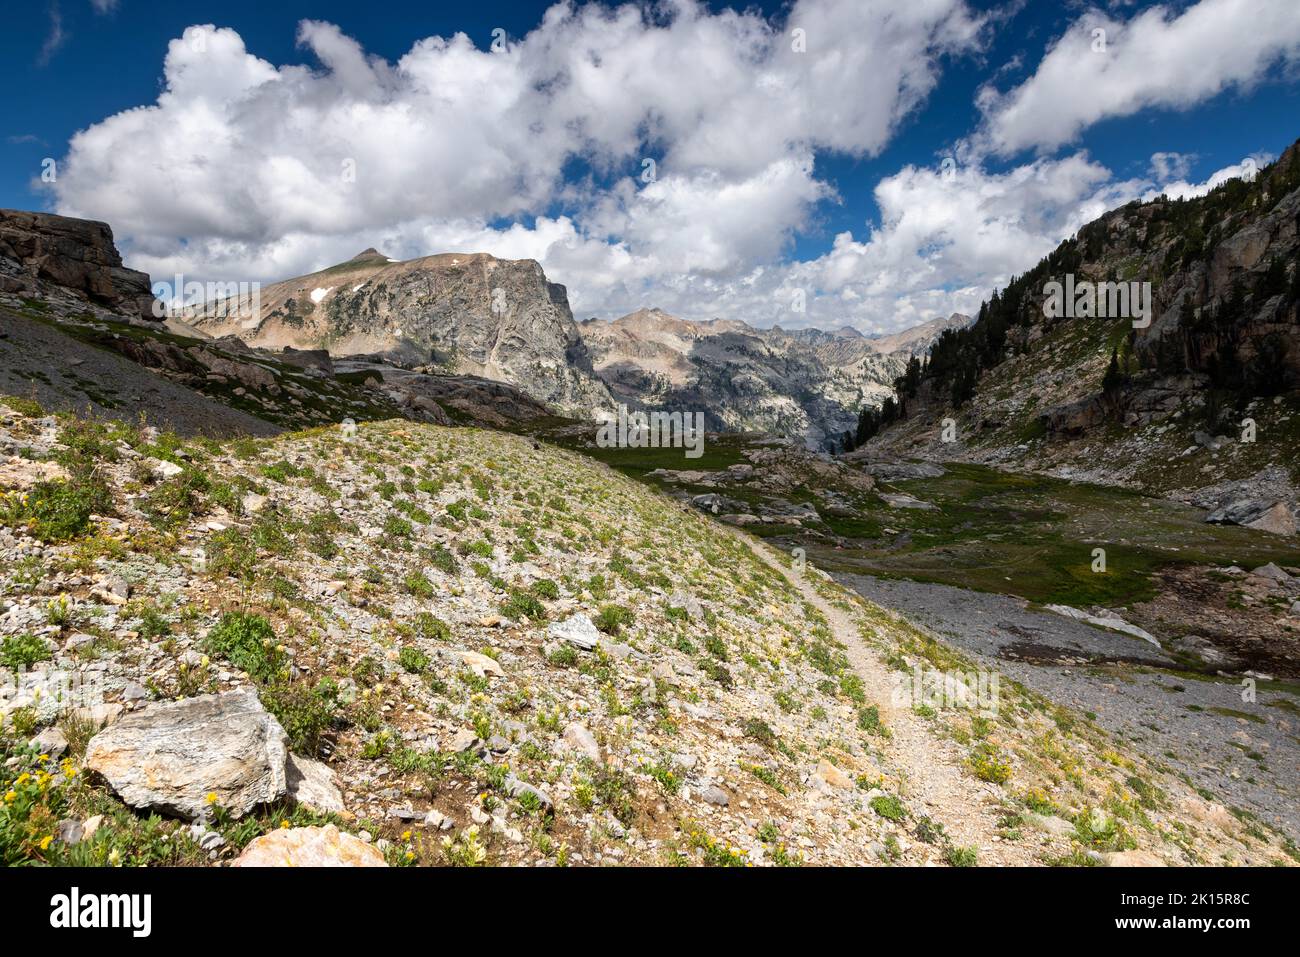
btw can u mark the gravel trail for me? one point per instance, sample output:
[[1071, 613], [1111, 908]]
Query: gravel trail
[[931, 766], [1247, 754]]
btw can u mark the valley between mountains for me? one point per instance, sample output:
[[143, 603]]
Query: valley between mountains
[[360, 569]]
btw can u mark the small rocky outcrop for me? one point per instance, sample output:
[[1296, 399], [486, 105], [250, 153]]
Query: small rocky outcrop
[[312, 785], [1267, 516], [1074, 418], [39, 250], [174, 756]]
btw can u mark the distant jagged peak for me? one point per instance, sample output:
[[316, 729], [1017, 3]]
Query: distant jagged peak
[[649, 314], [651, 320], [654, 319], [918, 339]]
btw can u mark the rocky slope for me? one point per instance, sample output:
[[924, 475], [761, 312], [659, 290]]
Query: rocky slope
[[409, 644], [1222, 347], [468, 314], [79, 348], [805, 383], [43, 255], [41, 362]]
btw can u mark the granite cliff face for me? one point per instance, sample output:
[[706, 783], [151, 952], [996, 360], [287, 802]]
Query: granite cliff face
[[42, 255], [805, 383], [469, 314]]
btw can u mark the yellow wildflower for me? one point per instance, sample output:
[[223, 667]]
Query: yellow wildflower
[[212, 797], [46, 841]]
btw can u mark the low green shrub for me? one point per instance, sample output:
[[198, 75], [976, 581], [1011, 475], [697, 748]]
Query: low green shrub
[[248, 642]]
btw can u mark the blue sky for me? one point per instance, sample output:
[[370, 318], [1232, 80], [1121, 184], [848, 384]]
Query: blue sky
[[827, 190]]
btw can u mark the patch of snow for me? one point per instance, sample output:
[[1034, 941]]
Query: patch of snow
[[394, 260], [357, 286], [318, 294]]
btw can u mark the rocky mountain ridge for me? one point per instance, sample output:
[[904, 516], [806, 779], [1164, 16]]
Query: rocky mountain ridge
[[804, 383], [466, 314], [1203, 402], [495, 320]]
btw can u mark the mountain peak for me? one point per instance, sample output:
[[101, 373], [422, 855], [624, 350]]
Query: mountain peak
[[371, 253]]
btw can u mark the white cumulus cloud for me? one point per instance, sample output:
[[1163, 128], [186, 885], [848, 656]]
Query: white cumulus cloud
[[242, 165], [1102, 67], [662, 156]]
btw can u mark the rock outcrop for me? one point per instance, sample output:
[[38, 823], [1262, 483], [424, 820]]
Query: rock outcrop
[[469, 314], [41, 250], [177, 756], [1275, 517]]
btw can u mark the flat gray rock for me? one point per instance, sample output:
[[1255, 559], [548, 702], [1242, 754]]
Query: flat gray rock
[[1261, 514], [172, 755], [715, 795], [578, 630], [311, 784], [579, 738], [1271, 571], [901, 500]]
